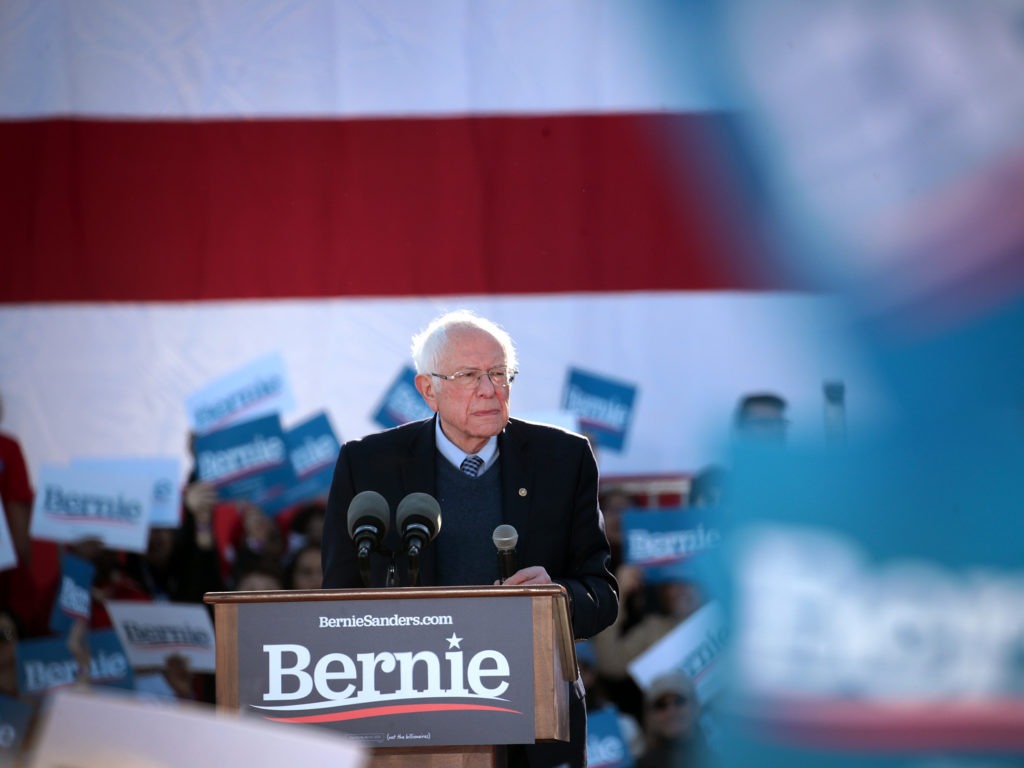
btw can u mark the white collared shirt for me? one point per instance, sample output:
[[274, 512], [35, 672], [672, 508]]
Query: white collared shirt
[[454, 454]]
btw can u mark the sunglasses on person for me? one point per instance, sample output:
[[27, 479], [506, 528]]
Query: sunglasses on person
[[664, 702]]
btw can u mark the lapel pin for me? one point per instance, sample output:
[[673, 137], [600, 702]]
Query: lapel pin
[[522, 491]]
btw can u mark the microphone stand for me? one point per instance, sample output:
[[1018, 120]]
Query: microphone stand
[[417, 535], [391, 579], [391, 575], [364, 568]]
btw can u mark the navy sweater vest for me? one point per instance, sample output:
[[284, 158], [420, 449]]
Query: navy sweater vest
[[470, 511]]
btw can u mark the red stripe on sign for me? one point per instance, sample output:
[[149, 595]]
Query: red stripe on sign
[[164, 211], [401, 709], [977, 725]]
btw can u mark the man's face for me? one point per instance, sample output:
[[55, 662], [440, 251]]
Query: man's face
[[469, 415]]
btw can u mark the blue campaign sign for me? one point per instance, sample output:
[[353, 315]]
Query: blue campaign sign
[[606, 746], [8, 557], [402, 403], [313, 450], [75, 503], [163, 472], [877, 610], [46, 663], [74, 599], [668, 544], [604, 407], [256, 389], [246, 461], [15, 720]]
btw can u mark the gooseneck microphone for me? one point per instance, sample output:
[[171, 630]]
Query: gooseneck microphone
[[368, 515], [419, 519], [505, 538]]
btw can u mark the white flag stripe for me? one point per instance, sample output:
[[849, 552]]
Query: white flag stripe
[[692, 356], [252, 58]]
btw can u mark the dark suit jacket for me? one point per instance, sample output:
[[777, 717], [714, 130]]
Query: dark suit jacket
[[549, 494]]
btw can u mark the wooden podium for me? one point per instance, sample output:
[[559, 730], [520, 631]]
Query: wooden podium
[[248, 623]]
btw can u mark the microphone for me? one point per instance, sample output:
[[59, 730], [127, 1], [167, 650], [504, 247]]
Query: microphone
[[419, 519], [505, 538], [368, 515]]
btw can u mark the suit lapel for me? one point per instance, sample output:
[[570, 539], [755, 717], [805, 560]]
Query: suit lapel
[[419, 475], [418, 470], [517, 475]]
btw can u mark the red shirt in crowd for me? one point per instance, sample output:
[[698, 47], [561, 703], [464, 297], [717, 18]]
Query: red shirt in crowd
[[27, 590]]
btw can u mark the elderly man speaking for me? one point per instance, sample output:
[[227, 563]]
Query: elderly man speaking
[[485, 469]]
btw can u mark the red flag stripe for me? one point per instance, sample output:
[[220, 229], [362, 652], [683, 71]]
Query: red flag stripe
[[185, 210]]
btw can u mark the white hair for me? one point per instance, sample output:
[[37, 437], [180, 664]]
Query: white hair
[[428, 345]]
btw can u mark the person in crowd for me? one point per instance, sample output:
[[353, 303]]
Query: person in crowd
[[306, 525], [25, 589], [671, 724], [761, 416], [618, 645], [304, 570], [181, 680], [259, 576], [9, 636], [485, 469], [615, 501], [112, 578], [182, 564], [707, 487], [16, 492], [598, 699], [257, 540]]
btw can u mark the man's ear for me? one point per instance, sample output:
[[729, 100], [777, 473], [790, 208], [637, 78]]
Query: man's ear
[[427, 388]]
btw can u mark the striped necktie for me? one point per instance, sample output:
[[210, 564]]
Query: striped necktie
[[471, 465]]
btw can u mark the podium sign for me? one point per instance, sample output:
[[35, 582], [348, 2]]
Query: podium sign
[[392, 673], [425, 677]]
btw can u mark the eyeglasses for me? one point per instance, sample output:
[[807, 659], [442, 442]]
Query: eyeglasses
[[470, 377], [664, 702]]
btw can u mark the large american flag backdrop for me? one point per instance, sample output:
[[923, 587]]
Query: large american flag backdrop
[[190, 186]]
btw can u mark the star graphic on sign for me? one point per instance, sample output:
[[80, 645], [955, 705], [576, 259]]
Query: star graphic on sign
[[453, 641]]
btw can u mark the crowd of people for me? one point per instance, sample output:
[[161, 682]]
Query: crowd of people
[[217, 546], [663, 722], [236, 546], [660, 721]]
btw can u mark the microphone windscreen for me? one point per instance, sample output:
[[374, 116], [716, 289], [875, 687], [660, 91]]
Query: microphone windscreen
[[421, 507], [368, 504], [505, 537]]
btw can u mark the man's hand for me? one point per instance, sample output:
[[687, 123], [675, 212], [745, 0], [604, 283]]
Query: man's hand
[[535, 574]]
